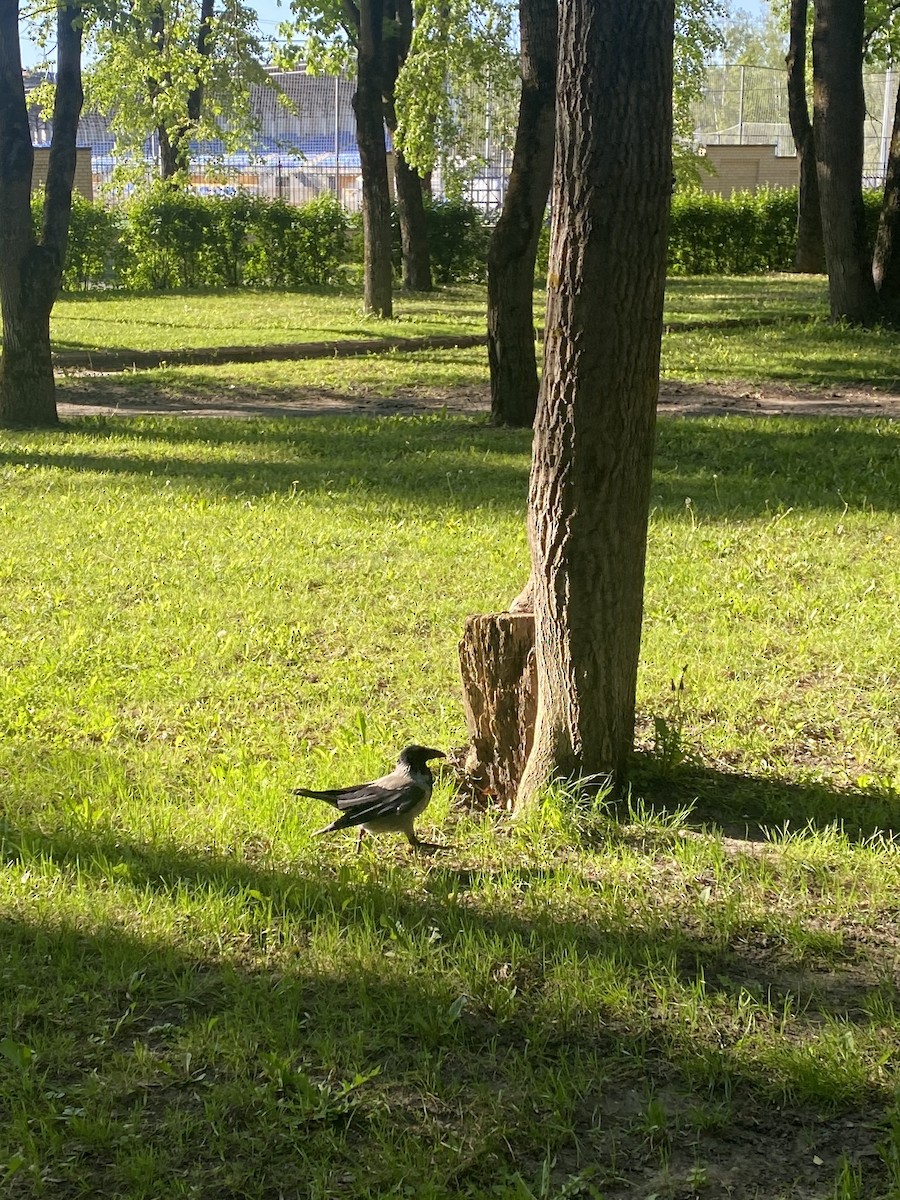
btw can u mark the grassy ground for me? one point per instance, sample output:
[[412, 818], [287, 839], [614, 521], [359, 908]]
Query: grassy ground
[[176, 321], [246, 317], [719, 329], [197, 998]]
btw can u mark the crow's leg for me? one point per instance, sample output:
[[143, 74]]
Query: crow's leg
[[417, 844]]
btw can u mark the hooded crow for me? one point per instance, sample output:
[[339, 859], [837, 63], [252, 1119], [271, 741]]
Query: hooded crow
[[386, 805]]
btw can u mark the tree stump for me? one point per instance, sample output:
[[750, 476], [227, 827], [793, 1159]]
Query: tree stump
[[496, 659]]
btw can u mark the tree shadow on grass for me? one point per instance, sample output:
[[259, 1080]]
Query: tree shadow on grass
[[727, 468], [228, 1066], [749, 806], [740, 466], [436, 461]]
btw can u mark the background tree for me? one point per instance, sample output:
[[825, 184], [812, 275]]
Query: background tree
[[886, 261], [511, 258], [838, 76], [182, 69], [368, 107], [593, 444], [458, 88], [882, 48], [838, 115], [514, 242], [753, 39], [30, 267], [407, 180], [809, 257], [698, 38], [328, 36]]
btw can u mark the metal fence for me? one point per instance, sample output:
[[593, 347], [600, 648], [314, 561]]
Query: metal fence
[[743, 105], [306, 144]]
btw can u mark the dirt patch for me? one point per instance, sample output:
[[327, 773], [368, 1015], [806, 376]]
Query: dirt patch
[[773, 399], [96, 393], [100, 394]]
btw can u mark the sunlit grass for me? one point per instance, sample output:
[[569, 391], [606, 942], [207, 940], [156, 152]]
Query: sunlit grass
[[247, 317], [782, 337], [382, 374], [197, 998], [175, 321]]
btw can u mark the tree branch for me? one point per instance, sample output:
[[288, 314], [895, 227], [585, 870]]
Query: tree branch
[[352, 17]]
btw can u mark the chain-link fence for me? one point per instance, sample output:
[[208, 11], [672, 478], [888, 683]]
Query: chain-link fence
[[306, 141], [304, 146], [749, 106]]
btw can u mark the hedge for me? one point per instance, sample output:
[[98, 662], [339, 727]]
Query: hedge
[[747, 234], [169, 238], [180, 240]]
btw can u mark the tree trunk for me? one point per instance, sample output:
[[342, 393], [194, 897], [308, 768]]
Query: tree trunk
[[809, 255], [496, 659], [413, 226], [886, 266], [410, 194], [594, 430], [31, 270], [513, 246], [172, 153], [175, 140], [376, 201], [838, 114]]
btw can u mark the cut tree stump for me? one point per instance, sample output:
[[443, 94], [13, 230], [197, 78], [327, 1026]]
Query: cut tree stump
[[496, 659]]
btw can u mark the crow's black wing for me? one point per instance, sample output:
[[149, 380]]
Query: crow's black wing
[[339, 797], [370, 803]]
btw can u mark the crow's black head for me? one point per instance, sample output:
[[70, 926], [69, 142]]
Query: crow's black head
[[417, 756]]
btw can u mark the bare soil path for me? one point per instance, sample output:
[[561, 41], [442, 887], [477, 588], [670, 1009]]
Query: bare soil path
[[94, 393]]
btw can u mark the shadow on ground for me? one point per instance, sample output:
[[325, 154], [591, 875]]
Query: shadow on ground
[[752, 806], [226, 1067], [730, 467]]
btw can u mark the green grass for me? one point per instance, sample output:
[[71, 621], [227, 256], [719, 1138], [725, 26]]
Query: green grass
[[384, 374], [197, 998], [247, 317], [783, 337]]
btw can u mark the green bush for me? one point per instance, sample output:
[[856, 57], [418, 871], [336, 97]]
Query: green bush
[[295, 247], [167, 238], [872, 199], [180, 240], [543, 252], [170, 237], [749, 233], [458, 237], [233, 224], [94, 252]]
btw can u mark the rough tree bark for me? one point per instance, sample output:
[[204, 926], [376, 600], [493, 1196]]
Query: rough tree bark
[[409, 190], [594, 430], [886, 264], [809, 255], [368, 106], [513, 246], [838, 115], [496, 658], [31, 269]]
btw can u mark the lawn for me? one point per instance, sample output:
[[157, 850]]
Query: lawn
[[245, 317], [717, 329], [693, 993]]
